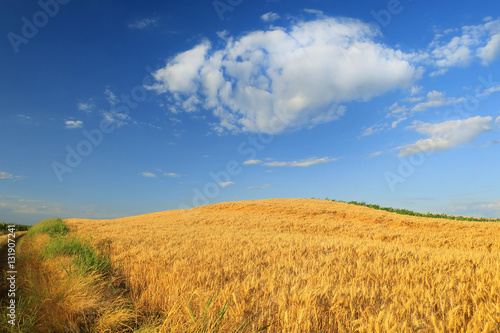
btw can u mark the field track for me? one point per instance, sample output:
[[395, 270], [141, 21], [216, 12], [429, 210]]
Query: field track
[[309, 265]]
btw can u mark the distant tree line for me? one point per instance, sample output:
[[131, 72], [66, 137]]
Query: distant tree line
[[412, 213], [18, 227]]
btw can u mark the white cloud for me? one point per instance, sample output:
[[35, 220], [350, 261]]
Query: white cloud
[[436, 99], [375, 154], [490, 205], [171, 174], [374, 129], [446, 135], [258, 187], [148, 174], [25, 206], [119, 119], [488, 91], [413, 99], [281, 79], [301, 163], [249, 162], [314, 12], [476, 208], [224, 184], [47, 209], [180, 75], [474, 42], [144, 23], [72, 124], [490, 52], [86, 107], [414, 90], [396, 108], [111, 97], [454, 53], [23, 116], [438, 72], [396, 122], [269, 17], [497, 121], [6, 175]]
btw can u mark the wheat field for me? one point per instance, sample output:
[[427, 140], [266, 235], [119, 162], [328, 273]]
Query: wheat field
[[306, 265]]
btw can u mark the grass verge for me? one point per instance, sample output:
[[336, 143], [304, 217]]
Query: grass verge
[[66, 284], [52, 227], [85, 257]]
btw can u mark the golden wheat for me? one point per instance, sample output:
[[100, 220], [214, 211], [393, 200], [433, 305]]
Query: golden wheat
[[305, 265], [61, 300]]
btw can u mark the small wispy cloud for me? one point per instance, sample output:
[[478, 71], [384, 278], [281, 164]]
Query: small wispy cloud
[[25, 206], [250, 162], [258, 187], [375, 154], [22, 205], [23, 116], [6, 175], [399, 109], [491, 143], [144, 23], [111, 97], [488, 91], [445, 135], [148, 175], [490, 205], [396, 122], [472, 42], [374, 129], [171, 174], [269, 17], [314, 12], [436, 99], [86, 107], [72, 124], [301, 163], [225, 184], [119, 119]]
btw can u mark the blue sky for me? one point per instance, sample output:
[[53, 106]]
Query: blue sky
[[111, 109]]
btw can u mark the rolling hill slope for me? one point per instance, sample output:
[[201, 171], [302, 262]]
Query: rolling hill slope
[[307, 265]]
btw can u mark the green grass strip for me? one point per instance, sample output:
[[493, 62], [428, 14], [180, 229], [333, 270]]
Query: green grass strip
[[85, 256], [53, 227]]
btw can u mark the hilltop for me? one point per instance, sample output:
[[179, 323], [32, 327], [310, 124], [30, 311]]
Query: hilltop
[[291, 265]]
